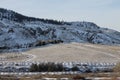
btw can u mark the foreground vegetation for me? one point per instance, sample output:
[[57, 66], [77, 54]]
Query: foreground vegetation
[[50, 67], [115, 75]]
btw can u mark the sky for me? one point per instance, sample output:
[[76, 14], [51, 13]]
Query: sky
[[105, 13]]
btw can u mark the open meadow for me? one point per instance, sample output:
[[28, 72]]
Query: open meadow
[[74, 52]]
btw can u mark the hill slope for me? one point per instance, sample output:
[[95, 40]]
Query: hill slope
[[19, 31], [76, 52]]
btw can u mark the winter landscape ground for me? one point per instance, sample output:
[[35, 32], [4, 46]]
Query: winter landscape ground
[[51, 48]]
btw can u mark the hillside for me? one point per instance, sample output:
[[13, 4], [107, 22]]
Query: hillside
[[76, 52], [18, 31]]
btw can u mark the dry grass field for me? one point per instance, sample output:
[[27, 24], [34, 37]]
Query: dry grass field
[[67, 52], [75, 52], [17, 57]]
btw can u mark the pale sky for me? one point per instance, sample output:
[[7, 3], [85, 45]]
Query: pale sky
[[105, 13]]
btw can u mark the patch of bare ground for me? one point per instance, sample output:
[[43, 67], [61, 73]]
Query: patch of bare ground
[[10, 57], [84, 76]]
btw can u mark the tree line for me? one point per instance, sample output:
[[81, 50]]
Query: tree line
[[51, 67], [14, 16], [45, 42], [46, 67]]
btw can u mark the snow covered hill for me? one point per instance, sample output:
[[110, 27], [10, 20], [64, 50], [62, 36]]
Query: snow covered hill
[[19, 31]]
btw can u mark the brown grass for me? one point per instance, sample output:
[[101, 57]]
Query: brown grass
[[76, 52]]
